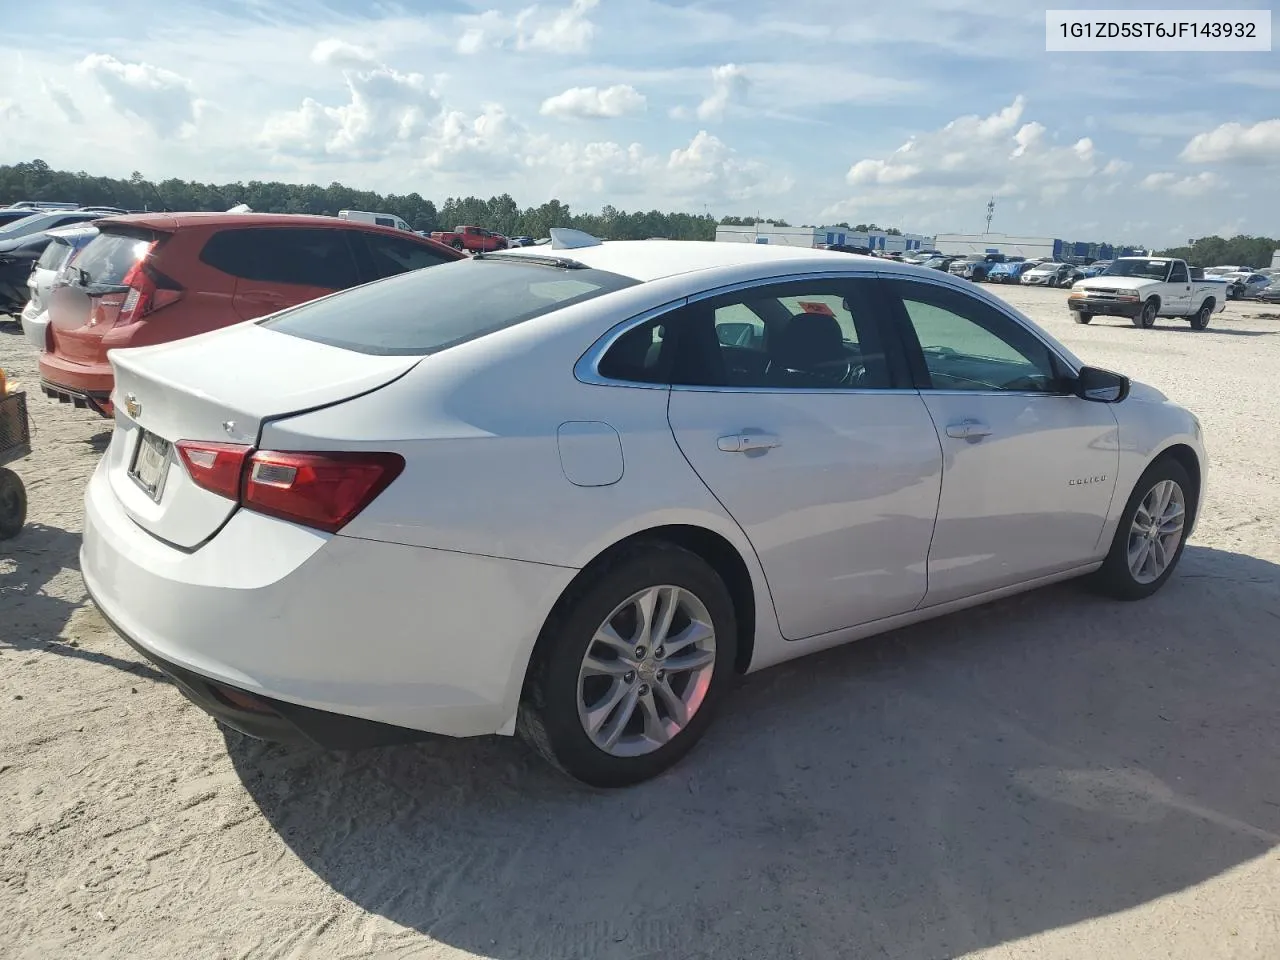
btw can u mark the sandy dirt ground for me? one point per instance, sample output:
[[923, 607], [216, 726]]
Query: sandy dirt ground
[[1051, 777]]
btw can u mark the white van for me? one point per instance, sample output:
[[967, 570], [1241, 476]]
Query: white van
[[381, 219]]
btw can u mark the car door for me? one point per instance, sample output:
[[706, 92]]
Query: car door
[[1028, 468], [277, 267], [786, 403], [1177, 295]]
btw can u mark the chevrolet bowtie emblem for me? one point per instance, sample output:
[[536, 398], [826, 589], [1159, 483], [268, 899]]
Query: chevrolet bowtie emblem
[[133, 406]]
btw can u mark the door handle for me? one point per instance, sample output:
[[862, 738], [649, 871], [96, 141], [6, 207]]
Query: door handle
[[747, 442], [968, 430]]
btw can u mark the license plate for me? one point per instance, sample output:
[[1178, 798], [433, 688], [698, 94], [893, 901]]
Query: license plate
[[151, 464]]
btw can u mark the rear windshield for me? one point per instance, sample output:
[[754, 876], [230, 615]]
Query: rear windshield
[[430, 310], [109, 257], [54, 254]]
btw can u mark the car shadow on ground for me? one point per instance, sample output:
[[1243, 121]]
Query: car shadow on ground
[[32, 619], [947, 787]]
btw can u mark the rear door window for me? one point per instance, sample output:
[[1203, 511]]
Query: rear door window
[[391, 256], [304, 256], [426, 311], [384, 221]]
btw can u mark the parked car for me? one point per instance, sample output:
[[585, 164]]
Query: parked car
[[1010, 272], [156, 277], [42, 205], [8, 216], [521, 241], [1144, 288], [475, 239], [1245, 285], [975, 266], [1052, 275], [313, 522], [938, 263], [1095, 269], [21, 244], [380, 219], [49, 274]]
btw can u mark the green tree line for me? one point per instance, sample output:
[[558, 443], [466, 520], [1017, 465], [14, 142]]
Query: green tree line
[[36, 180], [1216, 251]]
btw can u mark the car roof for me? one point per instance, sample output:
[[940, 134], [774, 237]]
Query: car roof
[[169, 222], [178, 220], [647, 260]]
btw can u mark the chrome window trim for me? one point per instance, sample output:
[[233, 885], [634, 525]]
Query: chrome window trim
[[586, 370]]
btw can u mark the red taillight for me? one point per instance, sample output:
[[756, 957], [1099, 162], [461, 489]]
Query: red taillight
[[321, 490], [215, 466], [149, 290]]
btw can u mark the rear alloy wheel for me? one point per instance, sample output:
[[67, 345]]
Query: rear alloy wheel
[[1146, 317], [1079, 317], [627, 676], [1152, 533], [1201, 318]]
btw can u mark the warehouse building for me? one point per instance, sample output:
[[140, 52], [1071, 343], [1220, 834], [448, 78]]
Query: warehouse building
[[960, 244], [820, 236]]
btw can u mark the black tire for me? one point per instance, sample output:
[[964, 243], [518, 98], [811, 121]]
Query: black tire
[[548, 718], [1114, 577], [456, 244], [1200, 319], [1079, 317], [979, 276], [1146, 317], [13, 504]]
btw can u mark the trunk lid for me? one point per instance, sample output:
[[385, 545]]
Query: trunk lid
[[218, 387]]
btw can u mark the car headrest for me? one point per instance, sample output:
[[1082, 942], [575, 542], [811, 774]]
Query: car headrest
[[807, 340]]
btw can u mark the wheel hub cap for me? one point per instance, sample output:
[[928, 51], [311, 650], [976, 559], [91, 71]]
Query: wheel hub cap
[[646, 671], [1156, 531]]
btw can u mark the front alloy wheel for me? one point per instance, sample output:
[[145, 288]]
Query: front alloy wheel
[[1152, 533]]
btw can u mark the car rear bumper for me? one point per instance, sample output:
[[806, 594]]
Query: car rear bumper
[[1110, 308], [84, 384], [35, 324], [336, 639]]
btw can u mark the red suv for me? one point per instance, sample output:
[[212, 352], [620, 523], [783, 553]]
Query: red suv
[[154, 277]]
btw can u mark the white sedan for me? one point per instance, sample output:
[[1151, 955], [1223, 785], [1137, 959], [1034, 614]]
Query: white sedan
[[570, 491]]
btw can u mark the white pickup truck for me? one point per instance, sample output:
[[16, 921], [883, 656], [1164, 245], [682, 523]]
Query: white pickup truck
[[1143, 288]]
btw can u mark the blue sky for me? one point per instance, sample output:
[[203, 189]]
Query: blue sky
[[910, 112]]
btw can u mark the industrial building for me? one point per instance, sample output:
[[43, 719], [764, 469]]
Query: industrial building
[[960, 244], [818, 236]]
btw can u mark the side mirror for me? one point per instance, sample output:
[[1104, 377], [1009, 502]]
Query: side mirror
[[1101, 386]]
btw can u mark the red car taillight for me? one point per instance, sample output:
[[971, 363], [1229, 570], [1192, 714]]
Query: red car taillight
[[320, 490], [215, 466], [149, 290]]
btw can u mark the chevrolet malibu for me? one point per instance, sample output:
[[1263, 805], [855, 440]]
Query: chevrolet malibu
[[570, 491]]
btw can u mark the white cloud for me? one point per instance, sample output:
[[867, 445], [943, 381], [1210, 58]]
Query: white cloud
[[160, 98], [489, 142], [709, 167], [1192, 186], [385, 108], [972, 158], [10, 110], [63, 101], [1235, 143], [594, 103], [567, 30], [333, 52], [729, 86]]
